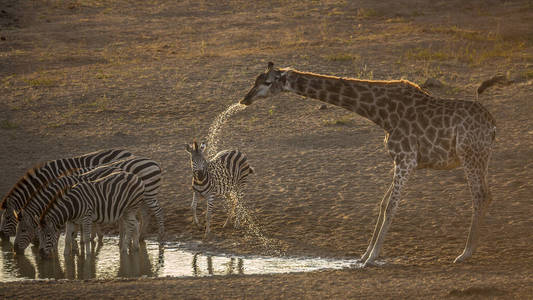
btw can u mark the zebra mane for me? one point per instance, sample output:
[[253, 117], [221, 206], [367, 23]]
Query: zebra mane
[[42, 187], [53, 201], [29, 176], [25, 177]]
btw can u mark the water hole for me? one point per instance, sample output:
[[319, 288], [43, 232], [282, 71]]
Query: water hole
[[175, 260]]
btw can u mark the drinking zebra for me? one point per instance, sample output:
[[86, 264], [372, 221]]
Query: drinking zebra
[[102, 201], [146, 169], [40, 175], [224, 175], [28, 217]]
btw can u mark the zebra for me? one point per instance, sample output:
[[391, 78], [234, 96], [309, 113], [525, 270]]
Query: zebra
[[104, 200], [40, 175], [223, 175], [27, 225], [147, 170]]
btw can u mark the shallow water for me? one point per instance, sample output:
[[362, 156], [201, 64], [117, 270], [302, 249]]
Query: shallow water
[[176, 260]]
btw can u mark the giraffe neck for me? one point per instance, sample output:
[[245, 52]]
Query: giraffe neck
[[374, 100]]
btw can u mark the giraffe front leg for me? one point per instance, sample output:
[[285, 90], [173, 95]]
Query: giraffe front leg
[[379, 223], [193, 206], [207, 233], [402, 171]]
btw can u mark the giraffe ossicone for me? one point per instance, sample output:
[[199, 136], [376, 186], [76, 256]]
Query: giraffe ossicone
[[421, 131]]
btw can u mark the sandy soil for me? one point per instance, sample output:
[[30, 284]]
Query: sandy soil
[[149, 76]]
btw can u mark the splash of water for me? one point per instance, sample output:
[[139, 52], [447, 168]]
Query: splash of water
[[213, 136], [253, 232]]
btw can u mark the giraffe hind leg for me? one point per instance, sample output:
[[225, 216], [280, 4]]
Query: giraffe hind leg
[[476, 168]]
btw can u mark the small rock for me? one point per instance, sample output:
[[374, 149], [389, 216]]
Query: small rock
[[322, 106], [432, 83]]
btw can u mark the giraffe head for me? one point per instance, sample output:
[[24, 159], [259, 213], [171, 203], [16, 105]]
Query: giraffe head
[[267, 84], [198, 161]]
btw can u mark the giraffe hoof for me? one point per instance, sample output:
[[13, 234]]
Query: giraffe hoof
[[369, 263], [461, 258]]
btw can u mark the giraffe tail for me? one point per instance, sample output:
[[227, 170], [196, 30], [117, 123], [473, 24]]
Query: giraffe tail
[[498, 79]]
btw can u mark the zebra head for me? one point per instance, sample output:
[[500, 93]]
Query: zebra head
[[25, 231], [198, 160], [8, 224], [48, 236], [267, 84]]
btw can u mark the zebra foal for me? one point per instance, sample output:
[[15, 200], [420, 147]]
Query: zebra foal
[[223, 175], [102, 201]]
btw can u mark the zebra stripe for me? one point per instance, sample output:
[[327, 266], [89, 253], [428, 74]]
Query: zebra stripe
[[224, 175], [27, 224], [146, 169], [40, 175], [104, 200]]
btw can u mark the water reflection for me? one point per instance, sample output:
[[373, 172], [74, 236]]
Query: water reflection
[[106, 262]]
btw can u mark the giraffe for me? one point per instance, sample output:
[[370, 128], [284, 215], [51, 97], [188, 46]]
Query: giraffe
[[421, 131]]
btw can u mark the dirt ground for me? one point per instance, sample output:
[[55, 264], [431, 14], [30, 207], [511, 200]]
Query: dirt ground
[[149, 76]]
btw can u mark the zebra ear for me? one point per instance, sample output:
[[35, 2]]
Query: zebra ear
[[270, 66], [203, 145]]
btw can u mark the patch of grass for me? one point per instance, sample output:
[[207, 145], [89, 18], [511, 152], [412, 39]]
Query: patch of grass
[[367, 13], [342, 121], [473, 54], [460, 33], [100, 104], [6, 124], [427, 54], [528, 74], [342, 57], [41, 82]]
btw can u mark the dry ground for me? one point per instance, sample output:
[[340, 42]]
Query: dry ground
[[149, 76]]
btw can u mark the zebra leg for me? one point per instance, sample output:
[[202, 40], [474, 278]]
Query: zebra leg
[[157, 211], [193, 206], [70, 229], [130, 225], [208, 216], [239, 200], [144, 218], [97, 232], [86, 229]]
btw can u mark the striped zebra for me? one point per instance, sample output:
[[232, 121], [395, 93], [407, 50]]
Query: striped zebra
[[224, 175], [102, 201], [28, 221], [40, 175], [146, 169]]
